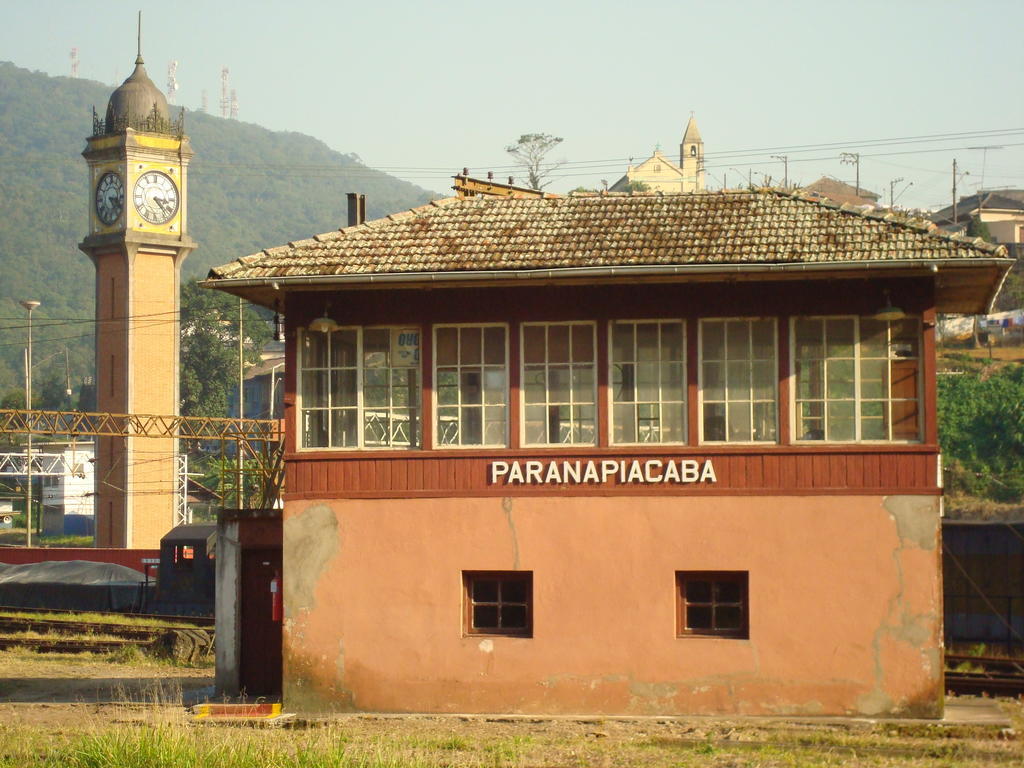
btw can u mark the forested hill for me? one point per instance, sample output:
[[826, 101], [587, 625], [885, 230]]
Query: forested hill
[[249, 188]]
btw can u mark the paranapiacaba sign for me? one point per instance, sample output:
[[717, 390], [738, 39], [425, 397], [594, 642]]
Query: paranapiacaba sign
[[601, 471]]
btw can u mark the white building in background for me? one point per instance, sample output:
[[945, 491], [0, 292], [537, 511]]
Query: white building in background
[[70, 483]]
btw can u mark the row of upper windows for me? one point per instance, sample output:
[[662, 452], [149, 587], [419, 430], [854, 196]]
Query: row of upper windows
[[855, 379]]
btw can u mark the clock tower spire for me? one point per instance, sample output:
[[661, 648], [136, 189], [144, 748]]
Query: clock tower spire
[[138, 158]]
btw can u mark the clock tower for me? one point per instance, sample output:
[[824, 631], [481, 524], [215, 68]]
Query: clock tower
[[138, 238]]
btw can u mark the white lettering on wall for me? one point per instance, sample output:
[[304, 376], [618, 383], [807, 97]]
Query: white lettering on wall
[[651, 472]]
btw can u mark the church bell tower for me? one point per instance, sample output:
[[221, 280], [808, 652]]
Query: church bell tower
[[138, 161], [691, 157]]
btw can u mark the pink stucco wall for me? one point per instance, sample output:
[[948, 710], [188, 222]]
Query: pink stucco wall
[[845, 609]]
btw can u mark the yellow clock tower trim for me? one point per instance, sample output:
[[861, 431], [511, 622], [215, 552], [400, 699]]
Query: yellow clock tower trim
[[138, 162]]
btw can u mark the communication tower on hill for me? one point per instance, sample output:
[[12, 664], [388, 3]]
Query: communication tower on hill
[[205, 105], [172, 81], [74, 62], [234, 104], [225, 96]]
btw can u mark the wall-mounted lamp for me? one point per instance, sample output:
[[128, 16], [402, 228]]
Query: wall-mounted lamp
[[889, 312], [278, 322], [324, 324]]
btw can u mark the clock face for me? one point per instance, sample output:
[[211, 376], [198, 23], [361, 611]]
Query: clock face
[[109, 198], [155, 197]]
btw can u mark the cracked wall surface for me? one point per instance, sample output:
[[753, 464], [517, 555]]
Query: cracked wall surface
[[845, 613]]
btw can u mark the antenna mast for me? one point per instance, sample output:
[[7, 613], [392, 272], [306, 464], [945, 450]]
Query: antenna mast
[[172, 81], [74, 62], [225, 95]]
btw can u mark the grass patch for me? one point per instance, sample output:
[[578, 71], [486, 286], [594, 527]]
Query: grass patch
[[94, 618]]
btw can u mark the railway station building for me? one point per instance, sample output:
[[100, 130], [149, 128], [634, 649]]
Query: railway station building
[[621, 454]]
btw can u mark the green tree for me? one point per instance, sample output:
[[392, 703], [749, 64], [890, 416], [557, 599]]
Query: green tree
[[530, 151], [978, 228], [209, 348]]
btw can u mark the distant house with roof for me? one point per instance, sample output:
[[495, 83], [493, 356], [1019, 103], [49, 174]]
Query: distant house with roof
[[1002, 211], [625, 454], [830, 188], [659, 174]]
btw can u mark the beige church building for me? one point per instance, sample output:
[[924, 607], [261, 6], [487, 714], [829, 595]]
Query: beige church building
[[659, 174]]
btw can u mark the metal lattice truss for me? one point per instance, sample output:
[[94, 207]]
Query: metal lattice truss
[[13, 464], [258, 441]]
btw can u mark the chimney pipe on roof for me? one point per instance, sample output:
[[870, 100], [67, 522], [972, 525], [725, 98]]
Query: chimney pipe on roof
[[356, 209]]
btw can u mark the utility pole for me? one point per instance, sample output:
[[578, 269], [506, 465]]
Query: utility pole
[[892, 186], [785, 166], [955, 219], [29, 305], [852, 158]]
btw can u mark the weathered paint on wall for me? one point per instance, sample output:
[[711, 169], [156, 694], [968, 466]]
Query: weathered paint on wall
[[845, 609]]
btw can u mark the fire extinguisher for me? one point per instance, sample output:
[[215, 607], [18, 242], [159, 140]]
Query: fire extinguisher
[[276, 603]]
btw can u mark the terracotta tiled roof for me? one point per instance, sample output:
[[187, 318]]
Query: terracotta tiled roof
[[727, 228]]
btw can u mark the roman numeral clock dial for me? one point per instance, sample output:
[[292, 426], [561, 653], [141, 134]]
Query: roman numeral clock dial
[[109, 198], [155, 197]]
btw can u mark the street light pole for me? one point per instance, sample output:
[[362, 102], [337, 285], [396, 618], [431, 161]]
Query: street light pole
[[29, 305]]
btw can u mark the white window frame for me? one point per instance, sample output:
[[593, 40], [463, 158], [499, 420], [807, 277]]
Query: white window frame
[[522, 380], [611, 371], [857, 399], [360, 408], [700, 382], [436, 442]]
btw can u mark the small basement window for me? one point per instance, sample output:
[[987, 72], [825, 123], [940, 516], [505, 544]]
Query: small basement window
[[712, 603], [499, 603]]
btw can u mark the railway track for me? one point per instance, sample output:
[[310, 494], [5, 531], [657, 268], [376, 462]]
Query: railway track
[[996, 676]]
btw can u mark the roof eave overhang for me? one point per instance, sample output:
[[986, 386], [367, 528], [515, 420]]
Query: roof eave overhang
[[966, 286]]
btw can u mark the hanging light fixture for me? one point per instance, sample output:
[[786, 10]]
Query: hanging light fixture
[[889, 312], [324, 324], [278, 322]]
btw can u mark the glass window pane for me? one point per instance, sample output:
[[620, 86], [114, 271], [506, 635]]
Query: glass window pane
[[344, 349], [727, 591], [314, 389], [314, 350], [494, 425], [624, 430], [582, 343], [763, 334], [447, 387], [698, 617], [714, 421], [698, 591], [375, 347], [764, 380], [494, 386], [810, 379], [485, 616], [811, 421], [471, 426], [874, 375], [873, 422], [809, 338], [904, 379], [375, 397], [673, 384], [737, 340], [624, 382], [447, 346], [536, 424], [622, 342], [904, 420], [583, 383], [874, 338], [764, 421], [470, 386], [494, 345], [513, 617], [714, 381], [839, 335], [738, 380], [344, 428], [534, 386], [647, 382], [713, 340], [485, 590], [558, 343], [841, 420], [514, 591], [839, 378], [647, 341], [672, 342], [534, 344], [739, 422], [343, 388], [558, 384], [728, 617], [448, 426], [905, 335], [470, 346], [314, 433], [673, 423]]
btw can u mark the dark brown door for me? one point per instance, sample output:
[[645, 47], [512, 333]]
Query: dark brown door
[[260, 666]]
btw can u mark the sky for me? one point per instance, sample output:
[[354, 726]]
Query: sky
[[422, 90]]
